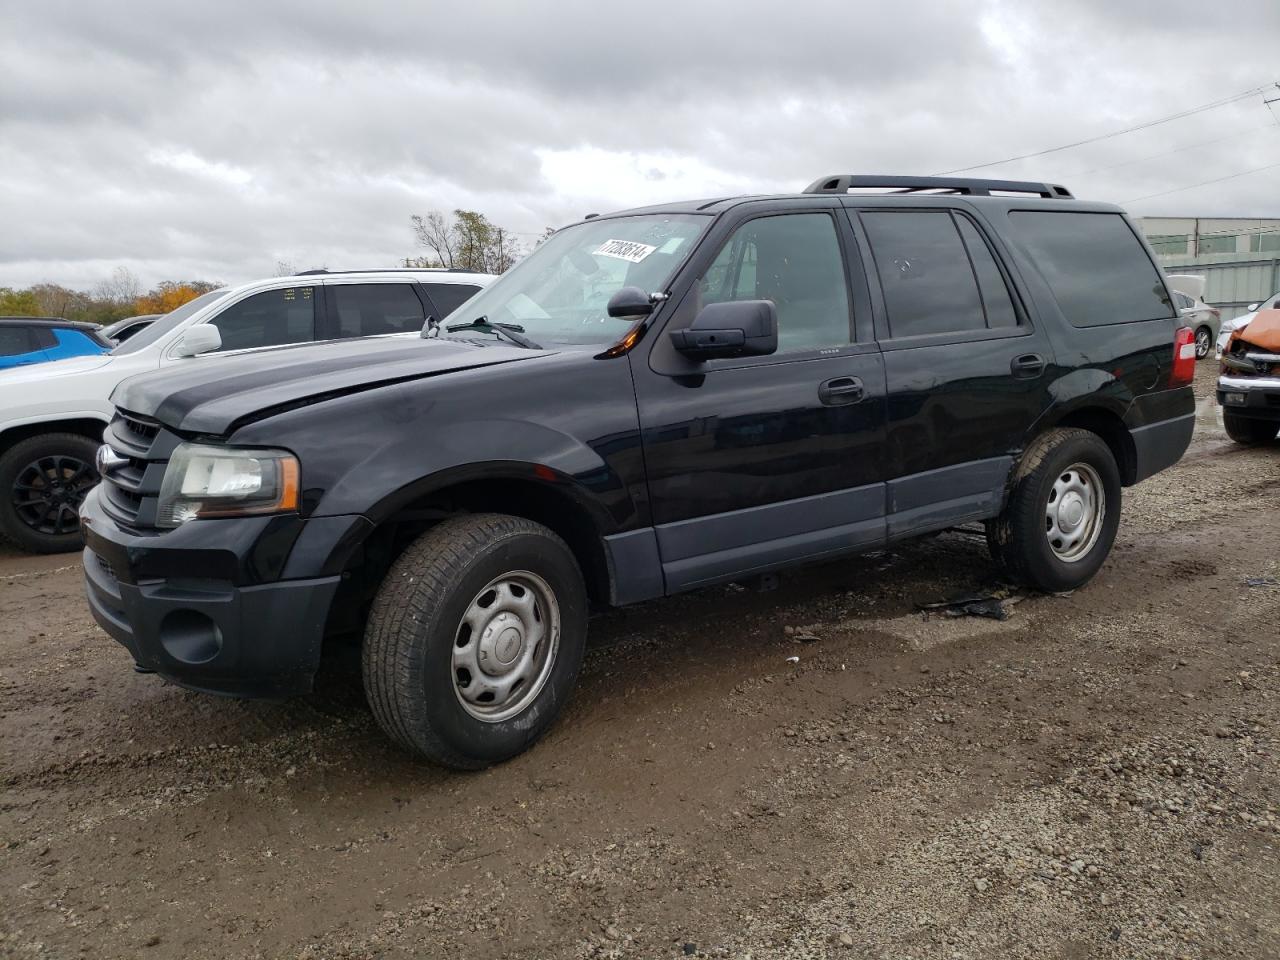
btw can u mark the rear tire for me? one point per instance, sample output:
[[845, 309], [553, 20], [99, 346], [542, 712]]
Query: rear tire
[[1248, 431], [43, 479], [1062, 512], [1204, 342], [469, 605]]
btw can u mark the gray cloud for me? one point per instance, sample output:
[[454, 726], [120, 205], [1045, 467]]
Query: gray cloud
[[213, 140]]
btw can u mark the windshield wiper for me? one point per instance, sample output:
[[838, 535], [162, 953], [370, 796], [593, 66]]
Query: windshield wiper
[[510, 331]]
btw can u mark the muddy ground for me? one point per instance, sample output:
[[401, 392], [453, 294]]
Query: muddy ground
[[1094, 777]]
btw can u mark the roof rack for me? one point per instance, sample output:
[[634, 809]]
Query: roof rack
[[843, 183]]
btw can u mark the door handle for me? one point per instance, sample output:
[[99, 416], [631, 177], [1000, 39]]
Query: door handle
[[1027, 366], [841, 390]]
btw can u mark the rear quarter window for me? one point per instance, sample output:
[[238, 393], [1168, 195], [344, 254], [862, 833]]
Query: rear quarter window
[[1095, 266]]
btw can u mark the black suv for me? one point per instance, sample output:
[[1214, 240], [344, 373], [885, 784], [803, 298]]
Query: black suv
[[652, 401]]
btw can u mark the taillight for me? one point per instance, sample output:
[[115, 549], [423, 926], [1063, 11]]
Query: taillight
[[1184, 357]]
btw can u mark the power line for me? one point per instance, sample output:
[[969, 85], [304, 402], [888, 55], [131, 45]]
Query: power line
[[1116, 133], [1205, 183], [1167, 153]]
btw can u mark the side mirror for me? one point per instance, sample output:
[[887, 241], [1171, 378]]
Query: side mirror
[[1252, 308], [739, 328], [630, 302], [202, 338]]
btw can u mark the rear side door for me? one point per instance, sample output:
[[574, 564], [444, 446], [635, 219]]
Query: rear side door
[[372, 308], [760, 462], [967, 373], [20, 346]]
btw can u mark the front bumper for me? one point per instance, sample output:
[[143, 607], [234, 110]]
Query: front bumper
[[1260, 395], [202, 626]]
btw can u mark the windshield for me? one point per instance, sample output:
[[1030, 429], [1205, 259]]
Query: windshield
[[558, 293], [169, 321]]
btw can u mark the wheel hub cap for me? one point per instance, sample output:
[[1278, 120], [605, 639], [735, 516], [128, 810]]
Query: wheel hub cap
[[1074, 512], [505, 646]]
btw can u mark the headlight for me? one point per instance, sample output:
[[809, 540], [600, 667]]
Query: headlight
[[207, 481]]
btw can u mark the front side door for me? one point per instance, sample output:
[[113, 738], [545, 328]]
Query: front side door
[[272, 318], [758, 462], [966, 372]]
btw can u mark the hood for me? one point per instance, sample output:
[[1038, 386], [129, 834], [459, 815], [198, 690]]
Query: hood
[[211, 394], [37, 372]]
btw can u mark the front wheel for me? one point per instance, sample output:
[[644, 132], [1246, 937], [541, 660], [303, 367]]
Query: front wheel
[[475, 639], [43, 479], [1062, 512], [1247, 430]]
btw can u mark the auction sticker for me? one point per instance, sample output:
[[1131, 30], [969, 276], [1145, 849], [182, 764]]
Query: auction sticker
[[624, 250]]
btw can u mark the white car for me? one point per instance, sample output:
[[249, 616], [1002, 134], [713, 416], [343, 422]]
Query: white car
[[52, 414], [1235, 323]]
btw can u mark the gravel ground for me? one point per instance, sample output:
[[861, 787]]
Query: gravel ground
[[1094, 777]]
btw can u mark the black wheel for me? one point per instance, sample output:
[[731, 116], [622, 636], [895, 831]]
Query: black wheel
[[43, 480], [1248, 431], [1204, 342], [1062, 512], [475, 639]]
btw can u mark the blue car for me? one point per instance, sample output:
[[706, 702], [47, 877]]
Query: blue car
[[27, 340]]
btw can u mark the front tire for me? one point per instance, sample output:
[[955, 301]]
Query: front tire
[[43, 480], [1062, 512], [475, 640], [1247, 431]]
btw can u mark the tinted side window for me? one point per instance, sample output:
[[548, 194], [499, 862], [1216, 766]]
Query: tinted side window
[[1097, 269], [448, 297], [369, 309], [924, 271], [996, 301], [269, 319], [43, 338], [795, 261], [15, 340]]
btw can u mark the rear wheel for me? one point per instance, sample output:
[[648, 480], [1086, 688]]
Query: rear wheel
[[1204, 342], [43, 480], [1248, 431], [1062, 513], [475, 639]]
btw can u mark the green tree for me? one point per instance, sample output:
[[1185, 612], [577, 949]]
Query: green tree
[[18, 303]]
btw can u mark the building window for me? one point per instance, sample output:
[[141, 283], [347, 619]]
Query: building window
[[1217, 245], [1264, 243], [1169, 244]]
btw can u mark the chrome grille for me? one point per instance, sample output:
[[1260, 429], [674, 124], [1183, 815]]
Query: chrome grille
[[131, 487]]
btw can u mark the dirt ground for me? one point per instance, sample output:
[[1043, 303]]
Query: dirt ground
[[1094, 777]]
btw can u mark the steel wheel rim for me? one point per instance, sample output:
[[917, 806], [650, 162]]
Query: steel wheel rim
[[1074, 512], [1202, 343], [48, 492], [505, 646]]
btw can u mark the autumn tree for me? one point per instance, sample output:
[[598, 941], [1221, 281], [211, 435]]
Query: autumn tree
[[18, 303], [465, 240], [167, 296]]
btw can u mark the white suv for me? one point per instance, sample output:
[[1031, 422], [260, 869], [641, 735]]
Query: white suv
[[52, 414]]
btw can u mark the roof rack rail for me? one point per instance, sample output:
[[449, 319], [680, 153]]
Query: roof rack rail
[[843, 183]]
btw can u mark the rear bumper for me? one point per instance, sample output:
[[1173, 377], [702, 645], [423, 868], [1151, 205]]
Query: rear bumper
[[1254, 397], [207, 632], [1158, 446]]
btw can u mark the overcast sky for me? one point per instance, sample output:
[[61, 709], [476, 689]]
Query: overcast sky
[[212, 140]]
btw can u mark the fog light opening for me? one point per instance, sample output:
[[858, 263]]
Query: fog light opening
[[190, 636]]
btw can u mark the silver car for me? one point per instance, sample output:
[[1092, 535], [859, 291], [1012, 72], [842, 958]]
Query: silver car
[[1202, 318]]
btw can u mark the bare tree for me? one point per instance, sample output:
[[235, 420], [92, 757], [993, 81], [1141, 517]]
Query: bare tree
[[121, 288], [284, 268], [436, 234]]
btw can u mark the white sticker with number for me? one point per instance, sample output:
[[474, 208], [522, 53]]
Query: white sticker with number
[[624, 250]]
